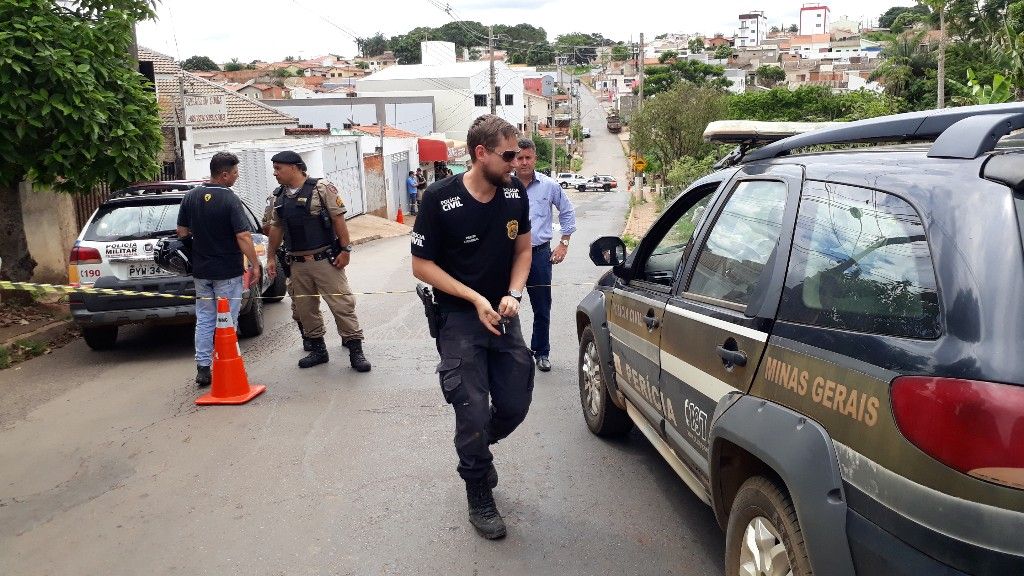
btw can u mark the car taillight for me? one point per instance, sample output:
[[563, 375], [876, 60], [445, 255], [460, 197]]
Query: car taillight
[[85, 255], [971, 426]]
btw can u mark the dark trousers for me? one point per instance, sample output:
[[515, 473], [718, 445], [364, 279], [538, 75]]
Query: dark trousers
[[538, 286], [488, 380]]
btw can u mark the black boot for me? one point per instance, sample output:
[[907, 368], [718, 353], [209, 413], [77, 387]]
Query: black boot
[[203, 377], [356, 356], [318, 355], [483, 514]]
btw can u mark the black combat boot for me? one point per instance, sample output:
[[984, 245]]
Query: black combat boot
[[318, 355], [203, 377], [356, 356], [482, 512]]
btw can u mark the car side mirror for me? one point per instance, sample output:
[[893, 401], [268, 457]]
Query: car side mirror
[[608, 251]]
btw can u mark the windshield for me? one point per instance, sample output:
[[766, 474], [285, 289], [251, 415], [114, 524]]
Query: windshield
[[134, 221]]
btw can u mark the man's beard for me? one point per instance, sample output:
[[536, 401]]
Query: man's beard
[[498, 179]]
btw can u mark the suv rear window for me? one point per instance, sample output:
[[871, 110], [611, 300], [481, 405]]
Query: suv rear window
[[118, 221], [860, 262]]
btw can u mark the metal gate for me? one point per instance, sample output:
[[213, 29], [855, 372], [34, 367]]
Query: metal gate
[[341, 166], [398, 173]]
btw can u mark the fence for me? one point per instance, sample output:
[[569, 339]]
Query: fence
[[86, 204]]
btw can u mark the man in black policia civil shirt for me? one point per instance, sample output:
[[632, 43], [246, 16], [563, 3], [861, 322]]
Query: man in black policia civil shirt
[[471, 242]]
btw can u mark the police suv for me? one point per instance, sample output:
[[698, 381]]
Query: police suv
[[115, 250], [826, 346]]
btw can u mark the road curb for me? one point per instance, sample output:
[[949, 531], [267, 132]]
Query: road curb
[[47, 333]]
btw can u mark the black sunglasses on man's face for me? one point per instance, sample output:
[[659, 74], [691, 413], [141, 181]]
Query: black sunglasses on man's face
[[507, 155]]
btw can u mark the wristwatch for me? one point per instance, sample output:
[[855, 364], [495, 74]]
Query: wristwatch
[[518, 295], [346, 248], [564, 242]]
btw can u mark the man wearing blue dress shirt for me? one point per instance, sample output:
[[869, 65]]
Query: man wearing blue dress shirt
[[544, 193]]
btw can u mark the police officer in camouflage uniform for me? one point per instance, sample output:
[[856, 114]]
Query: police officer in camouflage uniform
[[309, 217]]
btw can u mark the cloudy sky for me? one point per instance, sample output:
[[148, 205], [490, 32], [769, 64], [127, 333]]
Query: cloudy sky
[[247, 30]]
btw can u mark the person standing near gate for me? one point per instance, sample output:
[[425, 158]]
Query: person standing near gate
[[471, 242], [544, 194], [411, 192], [309, 217], [213, 215]]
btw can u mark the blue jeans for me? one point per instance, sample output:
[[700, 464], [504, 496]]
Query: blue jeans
[[207, 292], [538, 286], [412, 202]]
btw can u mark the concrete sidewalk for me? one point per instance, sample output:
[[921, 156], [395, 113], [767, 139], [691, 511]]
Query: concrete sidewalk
[[367, 228]]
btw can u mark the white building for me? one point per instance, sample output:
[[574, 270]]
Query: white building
[[737, 80], [814, 19], [460, 89], [753, 29], [409, 113]]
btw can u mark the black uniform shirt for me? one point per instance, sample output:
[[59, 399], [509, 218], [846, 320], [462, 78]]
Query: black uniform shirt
[[214, 214], [472, 241]]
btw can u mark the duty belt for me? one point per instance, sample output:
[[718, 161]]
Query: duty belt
[[322, 255]]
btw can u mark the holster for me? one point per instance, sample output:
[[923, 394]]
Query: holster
[[430, 309], [283, 262]]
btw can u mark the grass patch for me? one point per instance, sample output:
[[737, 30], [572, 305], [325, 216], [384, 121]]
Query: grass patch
[[630, 241], [31, 348], [5, 358]]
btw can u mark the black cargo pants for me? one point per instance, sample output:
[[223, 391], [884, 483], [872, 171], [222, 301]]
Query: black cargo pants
[[488, 380]]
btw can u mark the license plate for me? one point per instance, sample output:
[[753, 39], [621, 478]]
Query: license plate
[[147, 271]]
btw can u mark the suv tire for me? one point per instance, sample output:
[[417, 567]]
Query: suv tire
[[763, 529], [603, 417], [100, 337], [251, 323], [607, 187], [277, 289], [563, 184]]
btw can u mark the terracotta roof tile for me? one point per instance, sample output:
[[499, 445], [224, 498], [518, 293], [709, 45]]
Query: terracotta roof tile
[[242, 111], [389, 131]]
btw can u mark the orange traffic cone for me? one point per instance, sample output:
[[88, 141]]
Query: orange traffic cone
[[400, 219], [230, 384]]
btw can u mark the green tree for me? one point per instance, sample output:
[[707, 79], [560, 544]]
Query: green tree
[[904, 65], [200, 63], [525, 44], [793, 29], [671, 125], [696, 45], [769, 75], [84, 118], [621, 52], [889, 17], [658, 79], [373, 46], [233, 66], [723, 52], [362, 65], [811, 103], [668, 55]]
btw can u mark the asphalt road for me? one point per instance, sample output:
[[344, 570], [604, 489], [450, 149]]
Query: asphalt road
[[109, 468]]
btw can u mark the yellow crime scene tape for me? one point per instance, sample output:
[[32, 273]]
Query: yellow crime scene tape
[[68, 289]]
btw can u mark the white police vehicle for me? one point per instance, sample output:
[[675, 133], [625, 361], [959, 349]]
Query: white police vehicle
[[115, 250]]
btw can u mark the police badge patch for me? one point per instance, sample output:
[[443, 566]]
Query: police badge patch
[[513, 229], [207, 197]]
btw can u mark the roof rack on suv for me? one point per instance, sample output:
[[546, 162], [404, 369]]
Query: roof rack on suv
[[964, 132]]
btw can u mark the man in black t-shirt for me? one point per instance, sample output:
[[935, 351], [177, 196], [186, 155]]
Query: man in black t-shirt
[[213, 215], [471, 242]]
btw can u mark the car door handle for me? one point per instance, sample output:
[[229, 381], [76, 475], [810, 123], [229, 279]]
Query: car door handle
[[651, 321], [732, 357]]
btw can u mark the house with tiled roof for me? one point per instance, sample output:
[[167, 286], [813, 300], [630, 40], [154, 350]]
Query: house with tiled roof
[[250, 129]]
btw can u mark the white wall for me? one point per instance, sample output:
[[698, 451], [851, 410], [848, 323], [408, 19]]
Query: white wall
[[809, 20]]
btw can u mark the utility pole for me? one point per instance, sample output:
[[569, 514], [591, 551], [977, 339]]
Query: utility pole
[[554, 142], [494, 89], [640, 74]]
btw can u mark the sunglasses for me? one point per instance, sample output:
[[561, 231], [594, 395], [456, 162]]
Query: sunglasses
[[507, 155]]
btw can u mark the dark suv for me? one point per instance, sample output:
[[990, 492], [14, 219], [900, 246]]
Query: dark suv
[[826, 346], [115, 251]]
